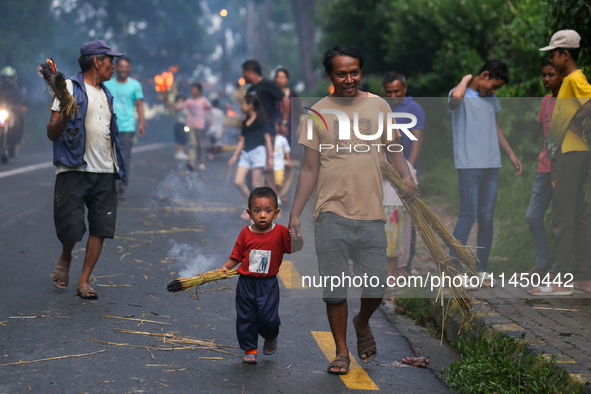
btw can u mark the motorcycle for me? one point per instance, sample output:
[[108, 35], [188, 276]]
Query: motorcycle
[[6, 122]]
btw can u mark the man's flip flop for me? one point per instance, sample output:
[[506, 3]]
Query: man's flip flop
[[366, 343], [60, 274], [87, 292], [273, 345], [548, 291], [250, 358], [339, 362]]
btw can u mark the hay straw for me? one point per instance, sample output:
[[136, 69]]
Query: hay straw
[[183, 284], [53, 358], [425, 221], [132, 319], [56, 81], [169, 337]]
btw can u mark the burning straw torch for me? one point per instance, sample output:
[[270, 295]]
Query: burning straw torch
[[56, 81]]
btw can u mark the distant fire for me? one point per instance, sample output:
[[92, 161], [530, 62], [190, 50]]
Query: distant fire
[[164, 81], [173, 69]]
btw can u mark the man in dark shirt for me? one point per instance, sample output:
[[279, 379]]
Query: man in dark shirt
[[269, 93]]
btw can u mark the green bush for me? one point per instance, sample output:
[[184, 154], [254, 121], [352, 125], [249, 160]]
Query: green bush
[[498, 365]]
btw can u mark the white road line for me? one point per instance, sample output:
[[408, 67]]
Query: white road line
[[35, 167]]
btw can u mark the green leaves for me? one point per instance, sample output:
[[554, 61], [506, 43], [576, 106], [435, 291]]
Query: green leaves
[[498, 365]]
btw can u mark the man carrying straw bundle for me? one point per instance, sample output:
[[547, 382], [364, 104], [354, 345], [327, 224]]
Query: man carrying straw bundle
[[348, 211], [88, 160]]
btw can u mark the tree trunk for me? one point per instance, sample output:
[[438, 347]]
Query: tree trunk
[[251, 35], [302, 14], [263, 39]]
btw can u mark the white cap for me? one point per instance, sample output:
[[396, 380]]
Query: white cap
[[563, 39]]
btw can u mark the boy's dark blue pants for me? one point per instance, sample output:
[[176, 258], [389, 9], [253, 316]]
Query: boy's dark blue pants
[[257, 310]]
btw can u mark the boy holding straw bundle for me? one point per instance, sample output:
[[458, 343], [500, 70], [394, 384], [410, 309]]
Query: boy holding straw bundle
[[259, 250]]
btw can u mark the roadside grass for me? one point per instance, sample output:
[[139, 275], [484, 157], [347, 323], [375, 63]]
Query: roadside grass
[[416, 306], [498, 365]]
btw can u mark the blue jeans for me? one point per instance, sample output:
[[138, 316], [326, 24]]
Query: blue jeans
[[478, 196], [541, 195]]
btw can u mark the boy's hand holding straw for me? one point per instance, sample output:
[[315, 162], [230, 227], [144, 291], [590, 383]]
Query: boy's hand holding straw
[[57, 83]]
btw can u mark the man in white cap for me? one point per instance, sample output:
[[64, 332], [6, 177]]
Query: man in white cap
[[569, 151]]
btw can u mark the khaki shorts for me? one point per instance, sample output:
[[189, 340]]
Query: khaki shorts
[[339, 240]]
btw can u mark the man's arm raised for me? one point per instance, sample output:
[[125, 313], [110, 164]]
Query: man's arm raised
[[459, 91], [306, 184]]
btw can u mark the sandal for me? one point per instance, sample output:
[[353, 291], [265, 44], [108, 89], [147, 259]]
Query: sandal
[[366, 343], [548, 291], [87, 292], [266, 348], [249, 358], [60, 274], [339, 362]]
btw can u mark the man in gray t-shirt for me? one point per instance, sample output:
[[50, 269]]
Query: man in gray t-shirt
[[477, 138]]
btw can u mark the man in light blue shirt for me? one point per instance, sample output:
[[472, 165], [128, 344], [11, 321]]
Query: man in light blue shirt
[[127, 97], [477, 138]]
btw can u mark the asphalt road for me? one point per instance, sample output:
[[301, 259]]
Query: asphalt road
[[167, 215]]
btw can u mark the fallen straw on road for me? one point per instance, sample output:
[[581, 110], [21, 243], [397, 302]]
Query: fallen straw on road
[[172, 339], [52, 358]]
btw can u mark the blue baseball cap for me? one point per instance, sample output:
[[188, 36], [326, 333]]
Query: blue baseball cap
[[97, 47]]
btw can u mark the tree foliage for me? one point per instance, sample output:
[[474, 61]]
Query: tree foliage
[[436, 42], [25, 27]]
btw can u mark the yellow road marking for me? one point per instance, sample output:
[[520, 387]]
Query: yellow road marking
[[357, 378], [290, 276]]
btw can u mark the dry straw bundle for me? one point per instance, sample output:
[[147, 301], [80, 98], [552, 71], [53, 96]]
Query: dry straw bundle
[[57, 83], [427, 225], [183, 284]]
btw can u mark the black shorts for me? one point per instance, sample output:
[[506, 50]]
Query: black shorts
[[180, 136], [73, 190]]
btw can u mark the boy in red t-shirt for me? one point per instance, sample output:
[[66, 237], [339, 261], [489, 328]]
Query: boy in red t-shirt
[[541, 193], [259, 250]]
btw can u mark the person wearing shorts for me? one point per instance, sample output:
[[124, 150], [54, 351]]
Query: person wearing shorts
[[88, 160], [254, 147], [348, 212], [397, 234]]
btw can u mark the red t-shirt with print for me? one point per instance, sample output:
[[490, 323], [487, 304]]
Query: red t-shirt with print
[[261, 254], [545, 117]]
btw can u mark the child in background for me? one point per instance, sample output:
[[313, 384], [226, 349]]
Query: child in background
[[254, 147], [541, 193], [395, 222], [569, 151], [216, 129], [478, 141], [281, 160], [180, 135], [259, 250]]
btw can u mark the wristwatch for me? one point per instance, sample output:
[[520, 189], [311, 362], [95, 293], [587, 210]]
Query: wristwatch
[[285, 122]]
